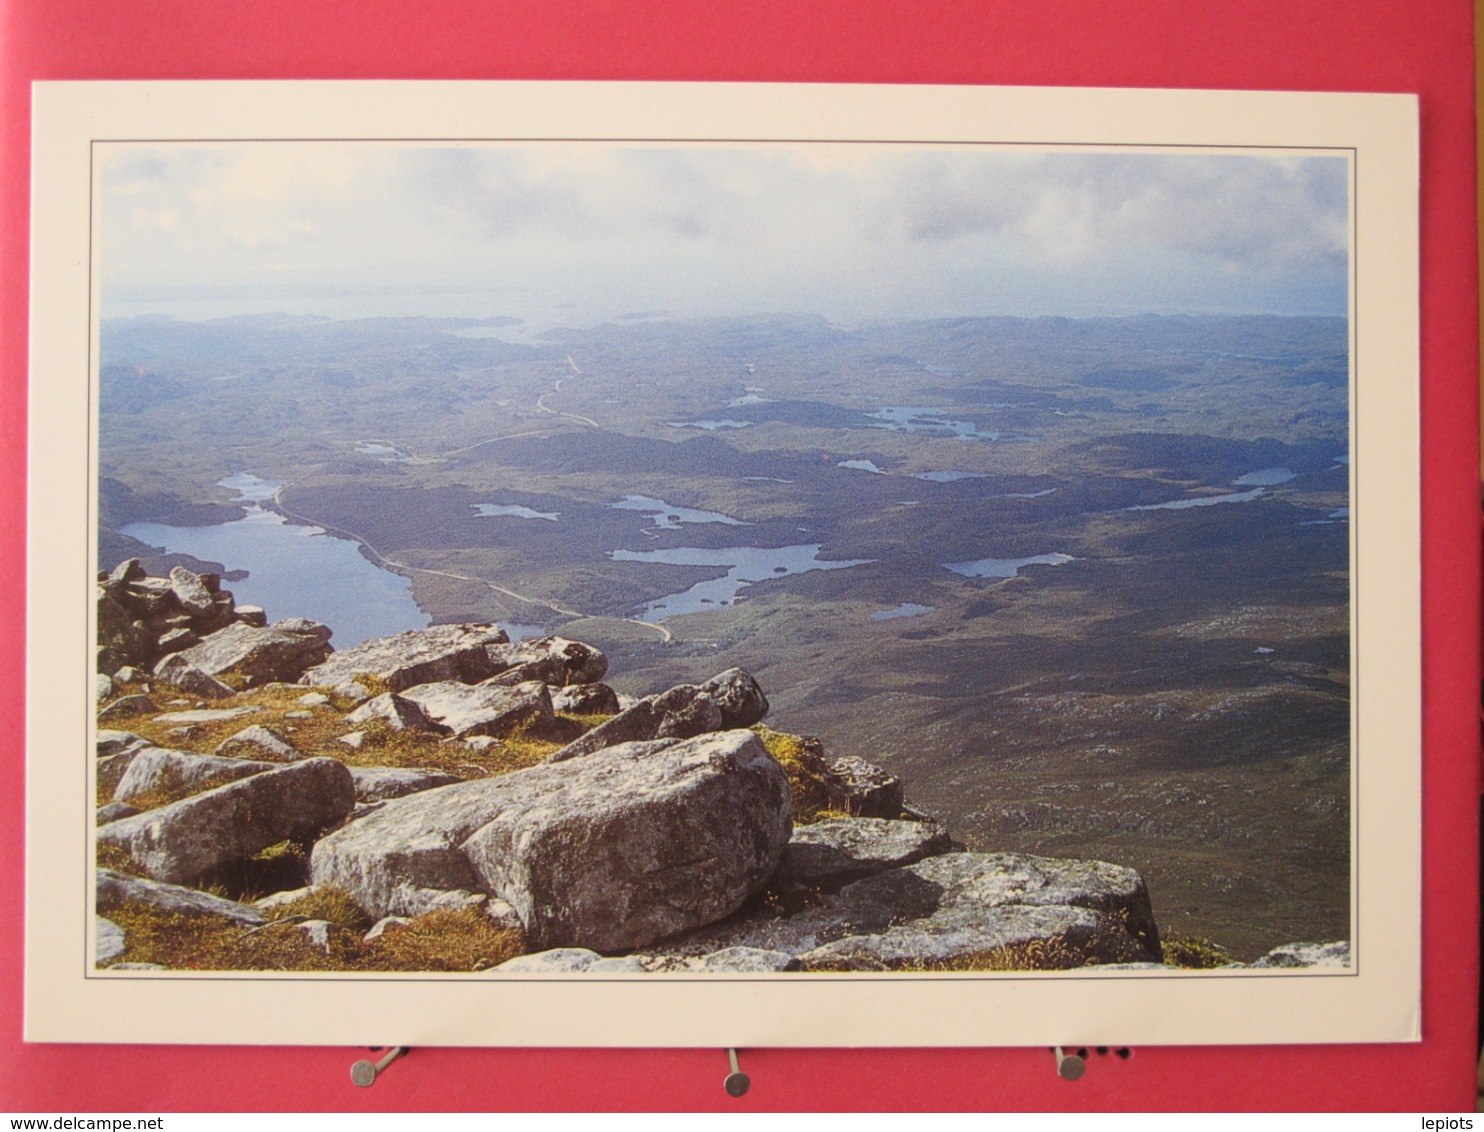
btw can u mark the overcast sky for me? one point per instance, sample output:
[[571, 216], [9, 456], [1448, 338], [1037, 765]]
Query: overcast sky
[[852, 232]]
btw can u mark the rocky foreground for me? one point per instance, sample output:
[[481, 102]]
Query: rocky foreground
[[446, 784]]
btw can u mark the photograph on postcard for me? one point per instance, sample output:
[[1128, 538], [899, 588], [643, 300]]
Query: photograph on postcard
[[663, 558]]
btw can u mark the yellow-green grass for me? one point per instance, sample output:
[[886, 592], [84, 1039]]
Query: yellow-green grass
[[449, 941], [806, 770]]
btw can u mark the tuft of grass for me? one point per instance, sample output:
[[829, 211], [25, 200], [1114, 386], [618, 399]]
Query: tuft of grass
[[463, 940], [803, 762], [1194, 952], [1056, 953], [325, 903]]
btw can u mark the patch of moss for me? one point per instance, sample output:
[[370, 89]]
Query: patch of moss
[[1194, 952], [803, 763]]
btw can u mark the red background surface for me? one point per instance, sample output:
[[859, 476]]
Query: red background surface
[[1371, 45]]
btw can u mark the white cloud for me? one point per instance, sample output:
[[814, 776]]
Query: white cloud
[[847, 231]]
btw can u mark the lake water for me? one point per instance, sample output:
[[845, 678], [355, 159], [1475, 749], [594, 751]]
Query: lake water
[[298, 571], [668, 517], [385, 451], [513, 511], [927, 420], [1201, 501], [710, 426], [744, 565], [862, 466], [1265, 477], [1004, 567], [948, 477], [906, 609]]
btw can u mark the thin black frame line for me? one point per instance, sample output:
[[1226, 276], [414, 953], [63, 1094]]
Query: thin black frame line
[[709, 141], [1353, 971]]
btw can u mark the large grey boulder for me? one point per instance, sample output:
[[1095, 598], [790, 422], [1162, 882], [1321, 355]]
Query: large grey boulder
[[281, 651], [1328, 955], [609, 853], [418, 656], [185, 839], [552, 660], [959, 908], [834, 852], [162, 769], [729, 700], [378, 783], [463, 710], [114, 890]]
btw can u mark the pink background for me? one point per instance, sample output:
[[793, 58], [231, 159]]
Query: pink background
[[1363, 45]]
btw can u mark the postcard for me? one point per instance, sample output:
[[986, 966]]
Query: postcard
[[658, 564]]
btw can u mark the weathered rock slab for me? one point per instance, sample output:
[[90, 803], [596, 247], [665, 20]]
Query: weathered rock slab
[[136, 703], [585, 699], [1324, 955], [418, 656], [204, 715], [280, 651], [552, 660], [864, 789], [185, 839], [113, 811], [465, 710], [728, 961], [181, 673], [378, 783], [396, 712], [115, 889], [729, 700], [959, 908], [109, 941], [160, 768], [258, 742], [834, 852]]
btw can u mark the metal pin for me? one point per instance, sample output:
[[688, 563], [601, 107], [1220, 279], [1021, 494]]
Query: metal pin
[[737, 1082], [364, 1073], [1069, 1066]]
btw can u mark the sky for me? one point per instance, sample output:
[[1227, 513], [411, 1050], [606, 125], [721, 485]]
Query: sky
[[585, 231]]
